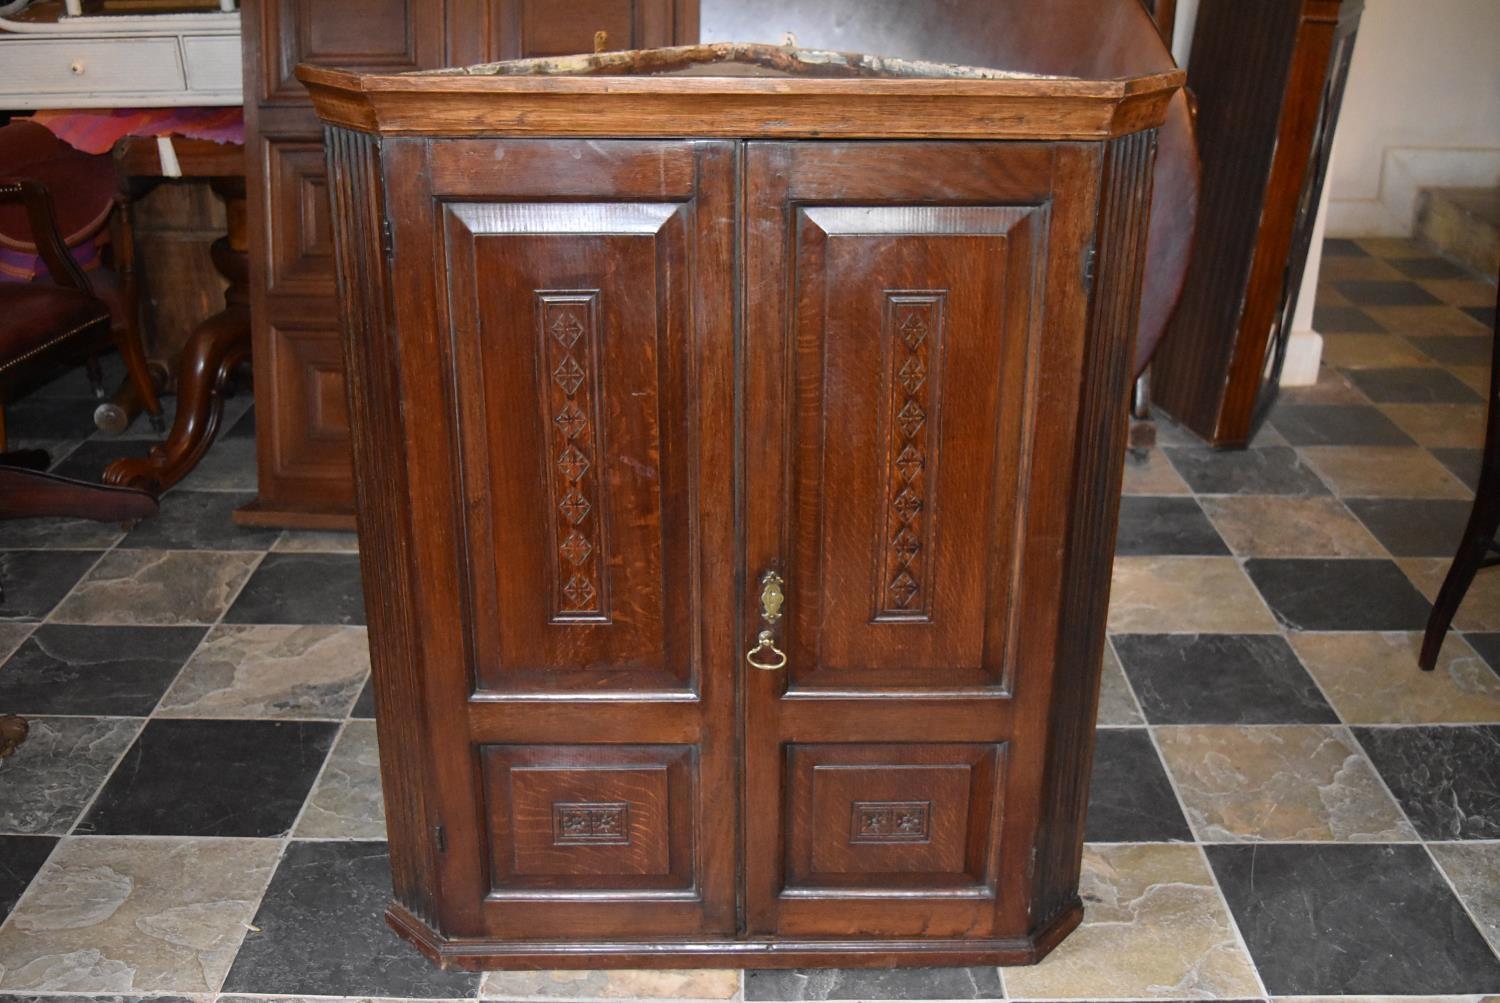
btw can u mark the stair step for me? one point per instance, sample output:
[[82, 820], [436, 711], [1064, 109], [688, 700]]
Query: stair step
[[1462, 223]]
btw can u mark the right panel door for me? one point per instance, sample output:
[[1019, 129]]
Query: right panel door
[[901, 300]]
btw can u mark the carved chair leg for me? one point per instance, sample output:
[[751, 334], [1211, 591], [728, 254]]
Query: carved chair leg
[[13, 730], [1483, 523]]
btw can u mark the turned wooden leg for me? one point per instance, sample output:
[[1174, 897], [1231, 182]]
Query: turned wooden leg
[[1483, 523], [206, 365], [13, 732]]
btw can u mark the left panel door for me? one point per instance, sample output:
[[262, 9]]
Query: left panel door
[[572, 302]]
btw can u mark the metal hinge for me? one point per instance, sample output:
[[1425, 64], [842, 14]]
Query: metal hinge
[[1088, 268], [440, 839], [387, 239]]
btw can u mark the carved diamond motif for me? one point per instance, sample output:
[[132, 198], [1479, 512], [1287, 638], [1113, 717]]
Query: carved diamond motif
[[906, 546], [574, 507], [910, 418], [913, 374], [580, 591], [902, 590], [567, 328], [569, 375], [572, 463], [909, 463], [913, 329], [571, 420], [576, 547], [907, 504]]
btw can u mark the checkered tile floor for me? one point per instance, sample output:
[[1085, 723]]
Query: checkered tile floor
[[1283, 805]]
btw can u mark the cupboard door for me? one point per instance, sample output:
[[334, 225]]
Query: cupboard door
[[386, 36], [898, 297], [583, 332]]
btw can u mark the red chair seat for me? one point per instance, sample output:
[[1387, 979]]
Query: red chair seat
[[38, 314]]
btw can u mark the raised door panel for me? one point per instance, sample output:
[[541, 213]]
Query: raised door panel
[[573, 301], [539, 28], [901, 300], [386, 36], [300, 251], [309, 441]]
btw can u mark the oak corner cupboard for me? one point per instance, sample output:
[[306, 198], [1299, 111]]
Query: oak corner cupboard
[[737, 434]]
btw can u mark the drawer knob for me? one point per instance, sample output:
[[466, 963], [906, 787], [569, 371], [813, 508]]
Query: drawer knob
[[77, 67]]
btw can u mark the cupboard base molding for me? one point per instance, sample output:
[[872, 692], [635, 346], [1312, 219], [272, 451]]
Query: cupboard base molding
[[271, 514], [484, 955]]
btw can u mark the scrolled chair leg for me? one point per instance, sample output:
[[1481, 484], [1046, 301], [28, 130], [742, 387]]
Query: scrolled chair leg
[[13, 731]]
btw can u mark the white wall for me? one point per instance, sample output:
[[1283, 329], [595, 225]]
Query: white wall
[[1422, 108]]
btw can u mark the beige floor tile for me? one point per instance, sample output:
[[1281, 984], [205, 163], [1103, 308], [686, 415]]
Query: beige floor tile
[[1151, 474], [1426, 321], [1154, 926], [1460, 292], [1474, 869], [157, 588], [1247, 783], [1383, 472], [346, 803], [118, 915], [1476, 378], [1328, 295], [1440, 426], [1480, 609], [1370, 351], [1117, 704], [1333, 387], [299, 541], [1337, 269], [1171, 595], [11, 636], [1393, 247], [1276, 526], [623, 984], [1373, 679], [272, 671]]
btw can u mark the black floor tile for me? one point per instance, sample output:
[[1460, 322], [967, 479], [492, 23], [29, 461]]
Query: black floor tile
[[20, 858], [365, 705], [1414, 527], [36, 580], [1428, 268], [87, 462], [302, 588], [1345, 320], [1380, 292], [1130, 798], [244, 428], [1463, 463], [44, 416], [212, 778], [1220, 679], [1447, 779], [1352, 919], [1273, 470], [1488, 646], [1152, 525], [1454, 349], [1412, 385], [1484, 314], [320, 931], [108, 671], [874, 984], [1340, 247], [199, 520], [1325, 594], [1337, 425]]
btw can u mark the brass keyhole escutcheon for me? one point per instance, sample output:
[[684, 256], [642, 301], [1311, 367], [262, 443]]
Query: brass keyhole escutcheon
[[772, 597]]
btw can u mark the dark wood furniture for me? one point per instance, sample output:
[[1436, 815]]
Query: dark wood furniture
[[302, 429], [737, 509], [206, 364], [1477, 548], [1269, 80]]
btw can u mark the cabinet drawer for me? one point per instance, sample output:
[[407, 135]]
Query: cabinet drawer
[[213, 62], [81, 66]]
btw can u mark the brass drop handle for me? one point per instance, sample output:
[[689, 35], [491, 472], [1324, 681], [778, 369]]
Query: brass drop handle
[[772, 598], [765, 644]]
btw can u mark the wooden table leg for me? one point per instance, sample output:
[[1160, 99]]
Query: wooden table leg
[[206, 365]]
